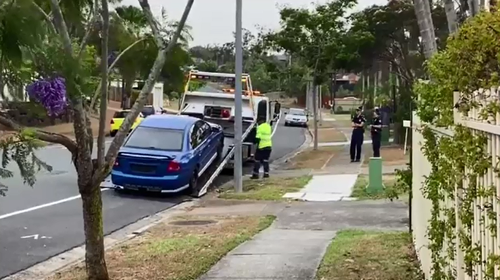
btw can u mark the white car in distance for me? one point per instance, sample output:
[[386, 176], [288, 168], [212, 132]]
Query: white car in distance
[[296, 117]]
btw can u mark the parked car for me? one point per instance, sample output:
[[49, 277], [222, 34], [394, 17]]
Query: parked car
[[148, 110], [297, 117], [167, 154], [117, 121]]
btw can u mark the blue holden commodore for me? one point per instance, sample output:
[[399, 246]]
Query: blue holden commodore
[[167, 153]]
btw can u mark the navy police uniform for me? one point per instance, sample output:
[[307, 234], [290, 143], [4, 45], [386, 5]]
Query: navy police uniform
[[357, 137], [376, 136]]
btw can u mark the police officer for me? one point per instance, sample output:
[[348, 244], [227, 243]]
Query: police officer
[[376, 131], [358, 122], [264, 146]]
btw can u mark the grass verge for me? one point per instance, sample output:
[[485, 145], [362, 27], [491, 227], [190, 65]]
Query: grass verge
[[330, 135], [392, 190], [356, 254], [271, 189], [391, 156], [311, 159], [171, 252]]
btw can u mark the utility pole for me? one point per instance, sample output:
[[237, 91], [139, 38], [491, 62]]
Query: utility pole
[[315, 114], [238, 126]]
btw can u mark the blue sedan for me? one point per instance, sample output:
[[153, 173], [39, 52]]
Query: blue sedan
[[167, 153]]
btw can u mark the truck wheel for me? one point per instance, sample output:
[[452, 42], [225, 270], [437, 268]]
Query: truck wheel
[[113, 133]]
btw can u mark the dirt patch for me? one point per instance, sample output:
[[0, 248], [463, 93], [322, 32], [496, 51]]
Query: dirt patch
[[330, 135], [355, 255], [322, 124], [311, 159], [391, 156], [267, 189], [172, 252]]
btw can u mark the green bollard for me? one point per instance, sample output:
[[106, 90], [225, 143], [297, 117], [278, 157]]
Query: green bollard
[[375, 182]]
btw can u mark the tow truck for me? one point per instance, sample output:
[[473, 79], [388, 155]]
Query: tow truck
[[210, 96]]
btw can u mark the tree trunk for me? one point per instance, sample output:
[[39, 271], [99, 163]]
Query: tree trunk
[[451, 16], [426, 27], [94, 236]]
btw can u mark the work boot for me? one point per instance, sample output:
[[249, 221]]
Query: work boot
[[254, 176], [266, 175]]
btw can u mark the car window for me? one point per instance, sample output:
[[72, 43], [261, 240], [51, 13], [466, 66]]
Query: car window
[[193, 136], [297, 112], [202, 131], [207, 130], [156, 138], [120, 114]]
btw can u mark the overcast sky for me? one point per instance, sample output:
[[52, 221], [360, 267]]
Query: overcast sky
[[213, 21]]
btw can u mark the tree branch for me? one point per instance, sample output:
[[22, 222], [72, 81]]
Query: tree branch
[[45, 15], [104, 80], [83, 158], [149, 84], [41, 135], [90, 27], [98, 89]]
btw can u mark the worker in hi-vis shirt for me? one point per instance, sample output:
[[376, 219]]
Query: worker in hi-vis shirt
[[264, 147]]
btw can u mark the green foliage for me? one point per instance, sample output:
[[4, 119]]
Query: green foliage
[[20, 149], [458, 162], [319, 37], [469, 62]]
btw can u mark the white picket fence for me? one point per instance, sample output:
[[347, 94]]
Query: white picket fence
[[422, 207]]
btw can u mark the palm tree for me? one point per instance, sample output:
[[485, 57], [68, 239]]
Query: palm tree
[[426, 26]]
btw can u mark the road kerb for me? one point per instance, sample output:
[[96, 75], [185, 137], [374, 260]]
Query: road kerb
[[74, 256]]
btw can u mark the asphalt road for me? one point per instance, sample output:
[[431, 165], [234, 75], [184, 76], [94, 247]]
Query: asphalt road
[[45, 220]]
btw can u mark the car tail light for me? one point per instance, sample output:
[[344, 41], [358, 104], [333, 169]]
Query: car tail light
[[112, 122], [226, 113], [174, 166]]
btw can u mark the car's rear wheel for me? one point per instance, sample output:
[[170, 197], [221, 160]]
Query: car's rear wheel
[[193, 184], [220, 150], [112, 133]]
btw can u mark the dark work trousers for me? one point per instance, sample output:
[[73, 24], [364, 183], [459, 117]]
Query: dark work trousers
[[376, 139], [262, 157], [356, 144]]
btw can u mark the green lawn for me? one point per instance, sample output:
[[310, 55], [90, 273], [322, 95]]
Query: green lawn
[[392, 189], [267, 189], [370, 255]]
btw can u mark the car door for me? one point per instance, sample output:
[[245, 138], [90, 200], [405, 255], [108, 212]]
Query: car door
[[209, 136], [194, 142], [202, 144]]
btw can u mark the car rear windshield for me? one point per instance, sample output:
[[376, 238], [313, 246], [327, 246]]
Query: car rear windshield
[[120, 114], [156, 139], [297, 112]]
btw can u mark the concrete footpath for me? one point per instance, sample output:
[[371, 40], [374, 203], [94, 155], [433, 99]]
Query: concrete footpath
[[293, 247]]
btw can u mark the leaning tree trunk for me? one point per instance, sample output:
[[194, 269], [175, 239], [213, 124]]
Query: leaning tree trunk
[[93, 228]]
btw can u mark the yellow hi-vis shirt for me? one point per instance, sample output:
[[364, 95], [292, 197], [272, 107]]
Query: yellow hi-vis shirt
[[264, 132]]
